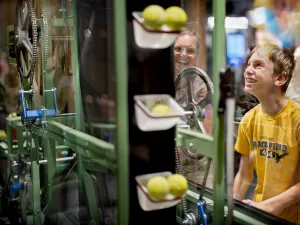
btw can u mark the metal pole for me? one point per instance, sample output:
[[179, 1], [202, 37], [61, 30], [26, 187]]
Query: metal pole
[[120, 58], [219, 62]]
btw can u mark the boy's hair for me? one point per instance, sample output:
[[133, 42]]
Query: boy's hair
[[282, 59], [192, 34]]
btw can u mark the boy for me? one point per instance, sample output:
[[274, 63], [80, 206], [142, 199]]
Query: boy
[[269, 136]]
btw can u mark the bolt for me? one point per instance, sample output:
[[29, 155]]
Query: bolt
[[87, 33]]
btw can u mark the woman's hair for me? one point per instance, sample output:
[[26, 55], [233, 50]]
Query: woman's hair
[[282, 59]]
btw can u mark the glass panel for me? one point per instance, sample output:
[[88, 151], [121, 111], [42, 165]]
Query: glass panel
[[52, 173], [193, 84], [266, 160], [193, 91]]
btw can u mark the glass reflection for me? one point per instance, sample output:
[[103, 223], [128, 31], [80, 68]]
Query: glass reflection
[[268, 136], [193, 89]]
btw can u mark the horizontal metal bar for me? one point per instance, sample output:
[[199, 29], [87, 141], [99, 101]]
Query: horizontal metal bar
[[239, 217], [57, 22], [195, 142], [96, 146], [62, 38], [65, 115], [45, 161]]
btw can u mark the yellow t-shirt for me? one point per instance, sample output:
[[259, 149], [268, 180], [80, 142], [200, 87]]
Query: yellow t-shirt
[[274, 140]]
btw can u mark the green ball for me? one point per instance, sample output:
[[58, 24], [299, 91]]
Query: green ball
[[177, 184], [153, 16], [175, 17], [158, 187]]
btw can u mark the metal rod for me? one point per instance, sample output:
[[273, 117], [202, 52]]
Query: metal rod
[[45, 161], [230, 110], [28, 92], [62, 38], [120, 59], [65, 115], [189, 113]]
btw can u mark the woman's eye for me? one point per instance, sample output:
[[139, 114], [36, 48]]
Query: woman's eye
[[177, 49], [191, 51]]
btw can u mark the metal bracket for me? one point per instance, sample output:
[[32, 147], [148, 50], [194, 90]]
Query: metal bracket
[[31, 115]]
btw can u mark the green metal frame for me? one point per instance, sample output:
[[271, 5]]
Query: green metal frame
[[92, 154], [97, 155], [213, 146]]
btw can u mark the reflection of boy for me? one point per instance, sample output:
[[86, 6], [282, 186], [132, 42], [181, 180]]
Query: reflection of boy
[[269, 136]]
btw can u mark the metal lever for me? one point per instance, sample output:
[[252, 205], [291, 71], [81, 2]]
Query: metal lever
[[201, 212]]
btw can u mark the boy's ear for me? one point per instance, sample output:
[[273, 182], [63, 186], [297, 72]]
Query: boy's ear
[[281, 79]]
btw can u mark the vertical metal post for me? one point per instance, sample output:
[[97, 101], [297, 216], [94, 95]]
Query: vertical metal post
[[75, 67], [9, 147], [120, 58], [78, 99], [48, 74], [91, 198], [218, 132], [35, 172], [50, 171]]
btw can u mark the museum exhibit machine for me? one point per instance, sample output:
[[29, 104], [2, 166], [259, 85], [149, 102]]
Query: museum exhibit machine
[[85, 139]]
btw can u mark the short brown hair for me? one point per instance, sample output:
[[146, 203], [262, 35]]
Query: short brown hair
[[282, 59]]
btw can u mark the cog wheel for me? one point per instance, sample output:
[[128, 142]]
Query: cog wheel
[[193, 88], [25, 39]]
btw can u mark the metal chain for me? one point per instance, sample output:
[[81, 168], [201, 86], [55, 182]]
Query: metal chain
[[179, 171], [34, 53], [45, 44], [200, 187], [205, 178]]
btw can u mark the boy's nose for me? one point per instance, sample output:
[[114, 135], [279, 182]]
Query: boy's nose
[[249, 70]]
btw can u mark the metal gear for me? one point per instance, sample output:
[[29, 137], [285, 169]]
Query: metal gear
[[189, 75], [25, 42], [193, 87]]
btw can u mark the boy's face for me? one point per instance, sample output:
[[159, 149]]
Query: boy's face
[[259, 75], [185, 52]]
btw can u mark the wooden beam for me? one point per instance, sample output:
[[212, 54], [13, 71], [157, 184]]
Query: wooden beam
[[196, 10]]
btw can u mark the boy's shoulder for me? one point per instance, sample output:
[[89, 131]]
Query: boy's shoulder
[[295, 106], [251, 114]]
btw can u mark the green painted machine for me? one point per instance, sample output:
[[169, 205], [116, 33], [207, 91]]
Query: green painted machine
[[75, 161]]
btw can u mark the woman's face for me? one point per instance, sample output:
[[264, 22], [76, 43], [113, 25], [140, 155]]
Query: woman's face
[[185, 52]]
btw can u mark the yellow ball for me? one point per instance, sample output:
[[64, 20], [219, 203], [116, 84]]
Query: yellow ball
[[158, 187], [177, 184], [175, 17], [161, 109], [153, 16], [3, 135]]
